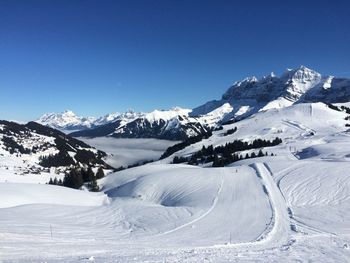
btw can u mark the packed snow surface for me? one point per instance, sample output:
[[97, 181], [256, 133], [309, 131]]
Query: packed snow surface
[[291, 207], [16, 194]]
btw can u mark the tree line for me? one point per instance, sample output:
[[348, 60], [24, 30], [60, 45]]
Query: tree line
[[182, 145], [77, 176], [12, 146], [226, 154], [230, 131], [121, 168]]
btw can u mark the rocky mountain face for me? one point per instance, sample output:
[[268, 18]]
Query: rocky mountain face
[[294, 86], [42, 146]]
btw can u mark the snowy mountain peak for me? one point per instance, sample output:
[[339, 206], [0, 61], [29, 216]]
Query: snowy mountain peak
[[165, 115], [69, 121], [179, 109], [105, 119], [294, 86], [68, 113], [270, 76], [302, 74], [59, 120], [246, 81]]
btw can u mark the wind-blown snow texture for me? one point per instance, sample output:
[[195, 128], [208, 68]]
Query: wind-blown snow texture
[[290, 207]]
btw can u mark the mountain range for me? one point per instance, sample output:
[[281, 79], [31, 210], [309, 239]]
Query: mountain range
[[267, 181], [242, 99], [294, 86], [68, 121]]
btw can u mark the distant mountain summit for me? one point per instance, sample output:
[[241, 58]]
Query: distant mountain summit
[[294, 86], [173, 124], [68, 121]]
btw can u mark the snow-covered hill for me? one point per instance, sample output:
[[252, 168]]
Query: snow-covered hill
[[30, 149], [293, 206], [299, 126]]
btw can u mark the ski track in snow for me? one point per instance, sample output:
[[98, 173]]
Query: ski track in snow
[[274, 208], [200, 217], [279, 230]]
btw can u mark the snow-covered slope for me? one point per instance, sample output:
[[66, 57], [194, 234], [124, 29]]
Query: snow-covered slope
[[293, 206], [297, 125], [17, 194], [28, 149], [290, 207]]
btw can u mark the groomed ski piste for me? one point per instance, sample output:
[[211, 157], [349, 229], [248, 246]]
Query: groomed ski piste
[[291, 207]]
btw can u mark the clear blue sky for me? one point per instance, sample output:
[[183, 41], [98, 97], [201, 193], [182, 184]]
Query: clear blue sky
[[96, 57]]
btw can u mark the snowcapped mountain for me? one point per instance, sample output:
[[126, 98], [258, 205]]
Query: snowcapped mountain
[[68, 121], [294, 86], [32, 147], [242, 99], [173, 124]]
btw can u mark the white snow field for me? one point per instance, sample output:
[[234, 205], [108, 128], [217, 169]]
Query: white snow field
[[293, 207]]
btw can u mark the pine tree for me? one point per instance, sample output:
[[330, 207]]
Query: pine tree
[[100, 173], [193, 160], [50, 182], [73, 179], [218, 162], [93, 184], [87, 174]]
